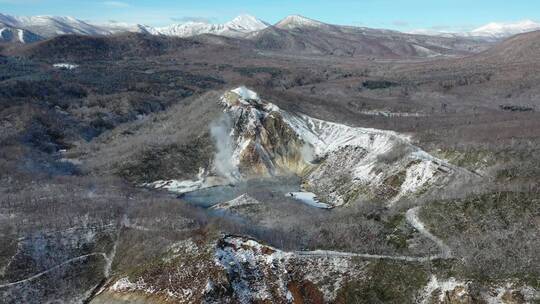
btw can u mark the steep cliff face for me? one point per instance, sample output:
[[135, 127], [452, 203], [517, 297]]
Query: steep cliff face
[[264, 144]]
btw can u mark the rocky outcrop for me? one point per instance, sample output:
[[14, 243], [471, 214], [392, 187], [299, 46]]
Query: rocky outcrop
[[264, 144]]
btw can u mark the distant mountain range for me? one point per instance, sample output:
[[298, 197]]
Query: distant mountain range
[[40, 27], [238, 27], [494, 30]]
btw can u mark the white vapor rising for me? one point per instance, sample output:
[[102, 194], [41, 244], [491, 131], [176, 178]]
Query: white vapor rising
[[220, 131]]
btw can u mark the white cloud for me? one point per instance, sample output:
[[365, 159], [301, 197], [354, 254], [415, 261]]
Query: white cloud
[[116, 4]]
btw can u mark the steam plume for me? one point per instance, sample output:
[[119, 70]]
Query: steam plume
[[223, 160]]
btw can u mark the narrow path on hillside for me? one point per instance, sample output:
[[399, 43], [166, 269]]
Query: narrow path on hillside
[[82, 257], [413, 220], [109, 258]]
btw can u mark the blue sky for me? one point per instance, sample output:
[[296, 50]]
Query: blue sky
[[450, 15]]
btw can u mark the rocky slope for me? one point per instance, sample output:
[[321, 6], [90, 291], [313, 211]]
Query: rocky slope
[[234, 270]]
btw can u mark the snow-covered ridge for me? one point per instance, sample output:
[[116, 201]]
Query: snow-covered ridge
[[505, 29], [49, 26], [238, 27], [490, 31]]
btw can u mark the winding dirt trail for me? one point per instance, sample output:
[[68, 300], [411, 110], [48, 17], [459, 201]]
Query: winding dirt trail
[[413, 220], [109, 258], [82, 257]]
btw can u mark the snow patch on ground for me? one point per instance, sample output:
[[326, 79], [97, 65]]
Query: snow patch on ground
[[20, 34], [246, 94], [177, 186], [65, 66], [391, 114], [184, 186], [124, 284]]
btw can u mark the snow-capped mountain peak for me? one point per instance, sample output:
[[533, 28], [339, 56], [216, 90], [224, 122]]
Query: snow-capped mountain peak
[[297, 21], [238, 27], [505, 29], [247, 23]]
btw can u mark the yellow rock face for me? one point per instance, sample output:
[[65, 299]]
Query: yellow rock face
[[268, 146]]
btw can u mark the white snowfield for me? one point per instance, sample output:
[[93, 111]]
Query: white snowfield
[[238, 27]]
